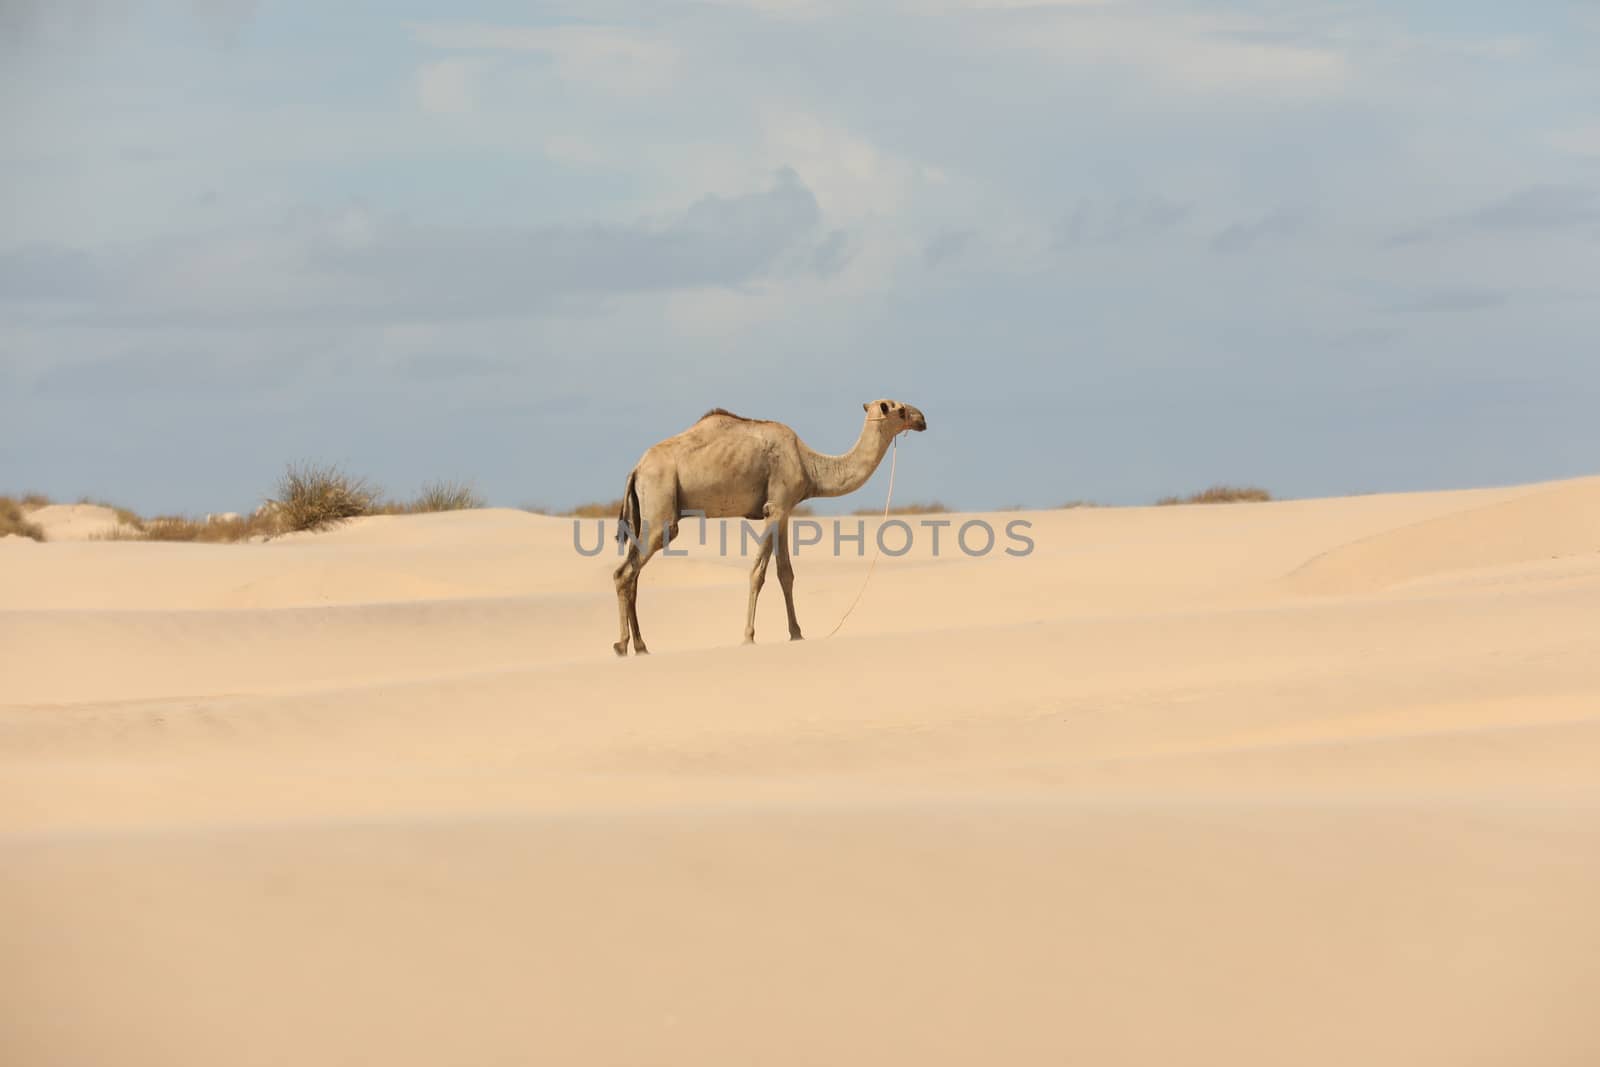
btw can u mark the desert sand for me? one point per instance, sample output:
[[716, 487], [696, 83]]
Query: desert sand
[[1308, 782]]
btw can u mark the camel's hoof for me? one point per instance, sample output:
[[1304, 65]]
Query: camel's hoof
[[640, 650], [797, 637], [748, 641], [620, 648]]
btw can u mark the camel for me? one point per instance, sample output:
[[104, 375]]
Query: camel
[[728, 467]]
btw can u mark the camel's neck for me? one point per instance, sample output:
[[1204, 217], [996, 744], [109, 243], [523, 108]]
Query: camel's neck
[[838, 475]]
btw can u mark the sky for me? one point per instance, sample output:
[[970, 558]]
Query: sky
[[1114, 249]]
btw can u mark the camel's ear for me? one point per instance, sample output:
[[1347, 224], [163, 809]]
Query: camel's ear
[[866, 405], [883, 406]]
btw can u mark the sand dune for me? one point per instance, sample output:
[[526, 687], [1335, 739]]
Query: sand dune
[[1311, 782], [74, 522]]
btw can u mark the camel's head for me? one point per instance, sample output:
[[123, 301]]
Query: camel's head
[[899, 416]]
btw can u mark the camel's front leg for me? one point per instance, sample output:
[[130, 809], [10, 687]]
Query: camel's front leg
[[786, 579], [758, 577]]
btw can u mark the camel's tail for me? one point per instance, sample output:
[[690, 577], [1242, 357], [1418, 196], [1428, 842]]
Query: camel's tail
[[629, 511]]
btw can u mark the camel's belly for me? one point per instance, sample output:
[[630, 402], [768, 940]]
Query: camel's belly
[[722, 504]]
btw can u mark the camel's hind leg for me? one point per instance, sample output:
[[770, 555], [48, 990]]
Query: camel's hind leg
[[658, 524], [758, 573], [625, 576], [627, 579], [786, 579]]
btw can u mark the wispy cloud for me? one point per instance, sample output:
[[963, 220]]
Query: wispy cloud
[[1191, 53], [1247, 234], [1118, 220], [605, 57], [1577, 140], [449, 86], [1450, 301], [1542, 207], [946, 246], [356, 266]]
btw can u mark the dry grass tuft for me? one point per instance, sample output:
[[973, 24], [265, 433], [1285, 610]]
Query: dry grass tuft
[[1080, 504], [446, 496], [1219, 494], [35, 501], [14, 521], [315, 497]]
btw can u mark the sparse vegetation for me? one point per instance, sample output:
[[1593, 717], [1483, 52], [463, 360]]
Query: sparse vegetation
[[446, 496], [932, 507], [1219, 494], [125, 516], [595, 510], [14, 519], [315, 497], [215, 530]]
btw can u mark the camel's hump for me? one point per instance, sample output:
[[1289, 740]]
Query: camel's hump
[[731, 415]]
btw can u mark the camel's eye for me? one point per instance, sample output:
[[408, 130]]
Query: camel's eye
[[884, 407]]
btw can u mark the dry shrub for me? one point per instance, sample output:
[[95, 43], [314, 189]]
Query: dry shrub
[[446, 496], [14, 521], [1219, 494], [315, 497], [1080, 504], [35, 501]]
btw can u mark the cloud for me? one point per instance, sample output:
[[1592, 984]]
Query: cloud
[[28, 24], [853, 177], [1541, 207], [46, 273], [1191, 53], [783, 9], [1451, 301], [1577, 140], [605, 57], [947, 245], [1113, 222], [447, 86], [832, 255], [1537, 208], [353, 266], [573, 150], [1245, 235]]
